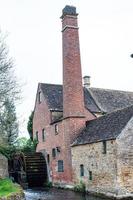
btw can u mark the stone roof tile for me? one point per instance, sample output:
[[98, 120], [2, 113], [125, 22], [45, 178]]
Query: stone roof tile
[[106, 127], [109, 100], [54, 95]]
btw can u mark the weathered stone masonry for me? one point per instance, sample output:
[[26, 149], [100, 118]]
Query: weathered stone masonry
[[102, 166]]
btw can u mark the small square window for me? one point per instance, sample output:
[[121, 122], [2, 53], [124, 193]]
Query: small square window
[[56, 129], [43, 135], [60, 166]]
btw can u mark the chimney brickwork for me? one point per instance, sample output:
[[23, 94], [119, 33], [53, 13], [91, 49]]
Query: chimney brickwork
[[73, 100]]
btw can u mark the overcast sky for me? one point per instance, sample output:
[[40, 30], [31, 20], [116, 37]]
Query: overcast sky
[[34, 40]]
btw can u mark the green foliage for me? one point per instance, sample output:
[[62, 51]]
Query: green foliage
[[48, 185], [26, 145], [9, 93], [8, 82], [9, 124], [30, 125], [80, 187], [7, 187], [7, 151], [23, 145]]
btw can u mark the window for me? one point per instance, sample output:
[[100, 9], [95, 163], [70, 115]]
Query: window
[[43, 135], [56, 129], [39, 97], [60, 166], [81, 170], [54, 153], [58, 149], [37, 135], [48, 158], [104, 147], [90, 175]]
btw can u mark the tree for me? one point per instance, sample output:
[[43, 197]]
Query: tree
[[30, 125], [9, 122], [9, 93], [8, 83]]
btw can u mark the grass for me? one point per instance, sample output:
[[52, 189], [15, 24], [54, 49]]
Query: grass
[[7, 187]]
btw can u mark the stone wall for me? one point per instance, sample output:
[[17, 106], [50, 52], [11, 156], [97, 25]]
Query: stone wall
[[3, 166], [125, 160], [102, 166]]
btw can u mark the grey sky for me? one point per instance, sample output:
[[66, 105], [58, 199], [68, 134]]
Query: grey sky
[[34, 27]]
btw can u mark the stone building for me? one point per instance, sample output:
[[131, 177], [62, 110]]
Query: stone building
[[63, 113], [102, 154]]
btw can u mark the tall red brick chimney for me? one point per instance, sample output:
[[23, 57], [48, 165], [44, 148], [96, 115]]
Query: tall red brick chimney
[[73, 99]]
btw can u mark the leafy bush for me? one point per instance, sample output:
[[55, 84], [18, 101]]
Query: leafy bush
[[7, 151], [80, 187], [23, 145], [26, 145], [7, 187]]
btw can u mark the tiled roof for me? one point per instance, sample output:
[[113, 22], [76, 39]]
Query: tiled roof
[[96, 99], [110, 100], [106, 127], [54, 95]]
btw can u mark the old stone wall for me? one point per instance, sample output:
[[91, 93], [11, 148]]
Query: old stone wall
[[99, 168], [125, 160], [3, 166]]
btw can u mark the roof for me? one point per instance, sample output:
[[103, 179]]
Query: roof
[[110, 100], [106, 127], [54, 95], [96, 99]]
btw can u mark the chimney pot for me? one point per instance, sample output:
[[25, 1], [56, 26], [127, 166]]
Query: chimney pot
[[86, 81]]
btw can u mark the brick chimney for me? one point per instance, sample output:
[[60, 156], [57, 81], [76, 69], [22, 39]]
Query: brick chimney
[[73, 99]]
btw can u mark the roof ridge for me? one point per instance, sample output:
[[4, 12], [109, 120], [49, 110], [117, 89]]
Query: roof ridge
[[91, 87], [111, 89], [113, 112], [94, 99]]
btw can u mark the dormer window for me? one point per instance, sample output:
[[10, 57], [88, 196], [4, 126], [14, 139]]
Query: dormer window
[[39, 97]]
